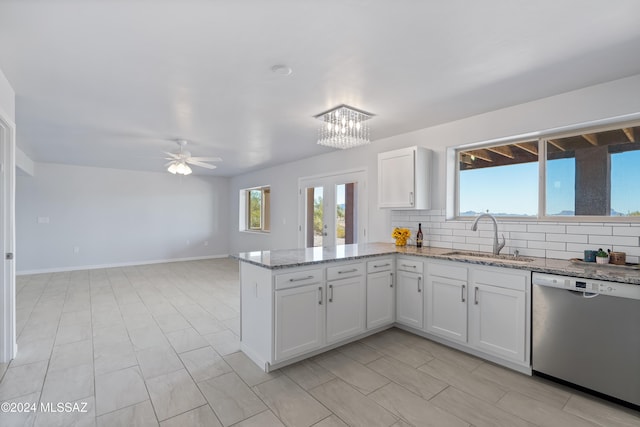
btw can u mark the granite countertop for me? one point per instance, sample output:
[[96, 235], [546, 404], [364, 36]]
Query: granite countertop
[[288, 258]]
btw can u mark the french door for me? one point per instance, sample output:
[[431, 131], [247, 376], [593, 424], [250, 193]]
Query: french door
[[332, 210]]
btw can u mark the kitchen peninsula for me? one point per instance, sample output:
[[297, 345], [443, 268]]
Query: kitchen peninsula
[[301, 302]]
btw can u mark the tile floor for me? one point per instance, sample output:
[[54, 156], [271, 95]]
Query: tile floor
[[158, 344]]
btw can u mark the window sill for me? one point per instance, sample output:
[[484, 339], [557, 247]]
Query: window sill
[[255, 232]]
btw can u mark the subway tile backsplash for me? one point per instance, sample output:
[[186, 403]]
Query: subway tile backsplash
[[540, 239]]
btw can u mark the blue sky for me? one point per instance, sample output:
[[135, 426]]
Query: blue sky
[[514, 189]]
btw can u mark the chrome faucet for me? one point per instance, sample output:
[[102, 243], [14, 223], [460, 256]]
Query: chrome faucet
[[496, 245]]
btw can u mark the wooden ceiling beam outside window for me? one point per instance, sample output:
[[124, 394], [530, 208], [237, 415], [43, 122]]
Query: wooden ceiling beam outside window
[[503, 150], [528, 148], [591, 138], [481, 154], [555, 144], [629, 133]]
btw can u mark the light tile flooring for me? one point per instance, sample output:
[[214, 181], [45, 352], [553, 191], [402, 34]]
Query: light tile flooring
[[158, 344]]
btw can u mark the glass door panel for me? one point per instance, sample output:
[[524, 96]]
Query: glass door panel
[[315, 223], [346, 214]]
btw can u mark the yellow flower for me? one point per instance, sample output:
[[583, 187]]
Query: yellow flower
[[401, 233]]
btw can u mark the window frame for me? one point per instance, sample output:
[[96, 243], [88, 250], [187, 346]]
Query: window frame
[[452, 211], [245, 210]]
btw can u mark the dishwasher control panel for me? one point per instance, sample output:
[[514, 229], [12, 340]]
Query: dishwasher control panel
[[592, 286]]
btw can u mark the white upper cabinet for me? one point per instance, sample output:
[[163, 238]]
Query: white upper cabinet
[[403, 178]]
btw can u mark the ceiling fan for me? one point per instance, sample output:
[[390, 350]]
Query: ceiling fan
[[179, 162]]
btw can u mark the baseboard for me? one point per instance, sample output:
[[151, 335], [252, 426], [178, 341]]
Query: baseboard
[[113, 265]]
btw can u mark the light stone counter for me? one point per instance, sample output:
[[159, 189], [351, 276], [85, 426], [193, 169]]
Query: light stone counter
[[288, 258]]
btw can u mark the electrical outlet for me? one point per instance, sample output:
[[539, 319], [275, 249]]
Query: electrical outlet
[[43, 220], [76, 250], [188, 242], [206, 243]]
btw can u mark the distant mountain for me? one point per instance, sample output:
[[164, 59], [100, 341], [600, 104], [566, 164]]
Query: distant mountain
[[474, 213], [572, 213]]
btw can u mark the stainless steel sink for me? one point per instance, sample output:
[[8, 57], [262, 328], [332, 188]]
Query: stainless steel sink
[[488, 257]]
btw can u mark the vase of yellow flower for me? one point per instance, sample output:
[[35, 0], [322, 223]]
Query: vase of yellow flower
[[401, 235]]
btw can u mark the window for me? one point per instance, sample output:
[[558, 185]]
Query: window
[[501, 180], [586, 173], [594, 174], [255, 209]]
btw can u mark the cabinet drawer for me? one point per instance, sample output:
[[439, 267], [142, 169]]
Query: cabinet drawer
[[298, 278], [344, 271], [377, 265], [501, 278], [448, 271], [410, 265]]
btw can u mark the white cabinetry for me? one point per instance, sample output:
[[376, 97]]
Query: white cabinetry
[[346, 302], [499, 312], [380, 292], [409, 286], [299, 320], [446, 300], [403, 178]]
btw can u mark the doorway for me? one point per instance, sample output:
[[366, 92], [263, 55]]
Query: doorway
[[332, 209]]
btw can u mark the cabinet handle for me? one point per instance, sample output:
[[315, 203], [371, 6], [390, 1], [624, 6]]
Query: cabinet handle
[[462, 293], [348, 271], [381, 265], [331, 295], [391, 284], [475, 296], [419, 279], [301, 278], [320, 300], [406, 265], [411, 198]]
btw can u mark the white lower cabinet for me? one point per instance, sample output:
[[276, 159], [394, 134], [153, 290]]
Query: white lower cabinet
[[346, 305], [409, 287], [288, 314], [310, 316], [381, 294], [498, 314], [299, 320], [484, 308], [380, 299], [446, 308]]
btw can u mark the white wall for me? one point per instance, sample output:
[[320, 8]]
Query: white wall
[[607, 100], [7, 99], [116, 217]]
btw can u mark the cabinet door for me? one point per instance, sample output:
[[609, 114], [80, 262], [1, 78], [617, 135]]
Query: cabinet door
[[380, 299], [409, 300], [396, 179], [299, 320], [346, 299], [498, 321], [446, 308]]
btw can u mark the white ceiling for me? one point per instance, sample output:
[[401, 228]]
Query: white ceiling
[[111, 83]]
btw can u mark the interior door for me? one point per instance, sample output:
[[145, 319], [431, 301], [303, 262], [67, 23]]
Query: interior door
[[332, 210], [8, 345]]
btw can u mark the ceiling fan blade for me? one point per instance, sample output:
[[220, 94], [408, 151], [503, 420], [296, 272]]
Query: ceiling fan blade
[[207, 159], [201, 164], [169, 163], [175, 156]]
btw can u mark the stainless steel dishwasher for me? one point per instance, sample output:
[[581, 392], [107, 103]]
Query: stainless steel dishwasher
[[587, 332]]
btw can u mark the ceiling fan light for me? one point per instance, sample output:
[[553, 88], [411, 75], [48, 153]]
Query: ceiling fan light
[[187, 170], [173, 168], [180, 168]]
